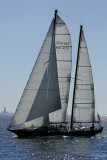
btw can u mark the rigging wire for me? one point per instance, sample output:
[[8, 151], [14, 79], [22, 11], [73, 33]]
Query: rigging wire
[[73, 20], [77, 23]]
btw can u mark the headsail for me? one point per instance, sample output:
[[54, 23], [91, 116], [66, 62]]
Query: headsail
[[47, 89], [83, 108], [41, 95], [42, 121]]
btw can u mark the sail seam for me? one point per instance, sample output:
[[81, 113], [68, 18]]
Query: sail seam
[[43, 89], [82, 76], [64, 60], [89, 99], [61, 34], [62, 46], [60, 23], [83, 103], [85, 84], [84, 66], [83, 47], [84, 89], [64, 77]]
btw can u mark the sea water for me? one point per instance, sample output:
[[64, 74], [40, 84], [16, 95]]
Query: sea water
[[51, 148]]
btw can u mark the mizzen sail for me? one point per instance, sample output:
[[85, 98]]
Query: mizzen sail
[[83, 109]]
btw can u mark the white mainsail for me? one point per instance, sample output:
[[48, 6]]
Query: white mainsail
[[84, 103], [47, 89], [64, 62]]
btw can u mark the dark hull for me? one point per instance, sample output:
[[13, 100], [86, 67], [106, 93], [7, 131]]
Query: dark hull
[[23, 133]]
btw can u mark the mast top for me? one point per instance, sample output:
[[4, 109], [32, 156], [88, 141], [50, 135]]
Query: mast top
[[81, 27], [56, 12]]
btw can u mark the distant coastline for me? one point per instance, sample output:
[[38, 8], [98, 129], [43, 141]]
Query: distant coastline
[[5, 112]]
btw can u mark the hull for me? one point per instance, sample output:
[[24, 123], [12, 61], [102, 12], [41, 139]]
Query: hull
[[24, 133]]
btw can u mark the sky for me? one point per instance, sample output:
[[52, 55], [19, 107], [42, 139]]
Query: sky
[[23, 27]]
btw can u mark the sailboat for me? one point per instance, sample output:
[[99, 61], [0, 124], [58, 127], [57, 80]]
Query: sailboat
[[43, 105]]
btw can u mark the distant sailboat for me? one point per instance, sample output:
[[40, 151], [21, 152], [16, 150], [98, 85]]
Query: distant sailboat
[[43, 105]]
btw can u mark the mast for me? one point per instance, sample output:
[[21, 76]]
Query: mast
[[55, 15], [75, 75]]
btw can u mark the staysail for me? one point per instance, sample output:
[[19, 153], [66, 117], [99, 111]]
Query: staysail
[[48, 86], [83, 108]]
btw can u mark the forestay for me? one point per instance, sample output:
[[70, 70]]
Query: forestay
[[84, 104]]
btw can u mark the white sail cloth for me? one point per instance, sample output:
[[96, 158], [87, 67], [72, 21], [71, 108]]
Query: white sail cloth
[[84, 103], [47, 89], [64, 62]]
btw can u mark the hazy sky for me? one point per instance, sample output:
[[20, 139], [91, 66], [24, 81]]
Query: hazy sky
[[23, 27]]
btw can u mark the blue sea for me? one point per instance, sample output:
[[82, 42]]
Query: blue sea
[[51, 148]]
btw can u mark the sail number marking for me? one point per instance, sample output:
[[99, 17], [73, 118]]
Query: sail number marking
[[62, 45]]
